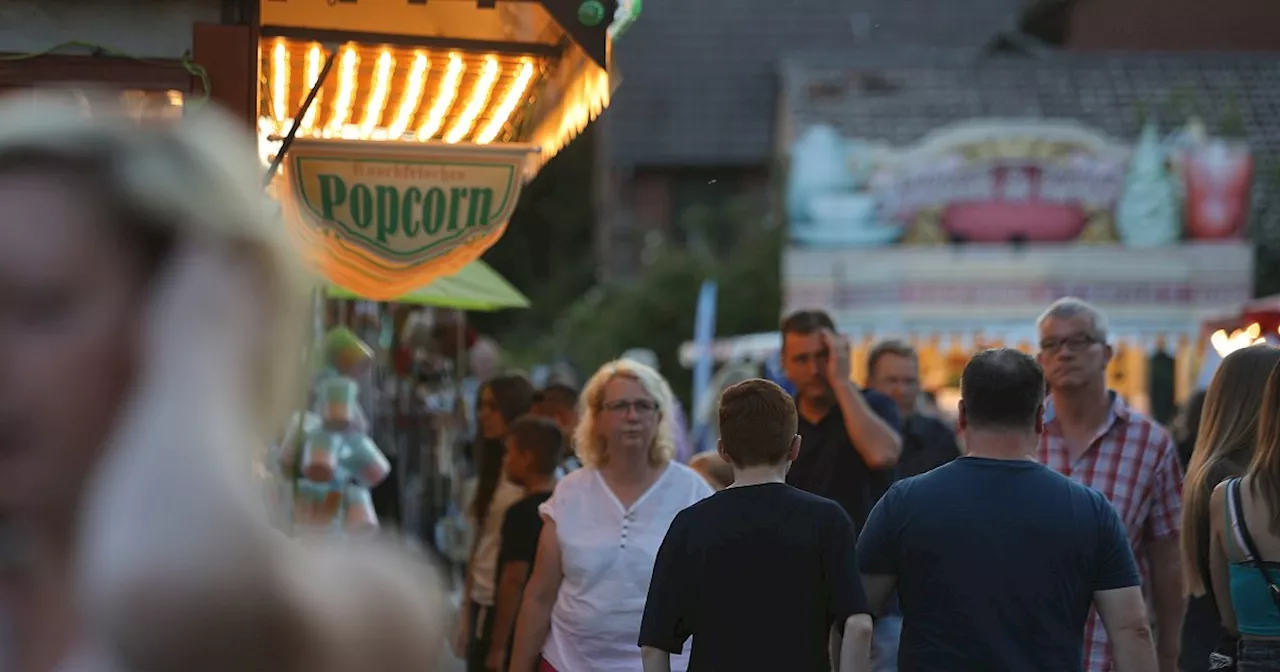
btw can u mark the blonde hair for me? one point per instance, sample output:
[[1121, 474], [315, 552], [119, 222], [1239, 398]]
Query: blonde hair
[[591, 449], [713, 468], [197, 176], [1229, 430]]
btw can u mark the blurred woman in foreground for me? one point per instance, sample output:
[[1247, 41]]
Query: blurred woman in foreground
[[604, 523], [1225, 440], [149, 332]]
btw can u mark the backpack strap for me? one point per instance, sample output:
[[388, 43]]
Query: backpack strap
[[1242, 531], [1235, 521]]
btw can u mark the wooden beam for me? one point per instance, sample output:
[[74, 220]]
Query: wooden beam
[[150, 75], [229, 55], [410, 41]]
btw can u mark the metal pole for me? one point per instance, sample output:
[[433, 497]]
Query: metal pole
[[297, 119]]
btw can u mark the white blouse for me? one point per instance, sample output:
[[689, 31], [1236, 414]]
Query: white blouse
[[607, 553], [484, 564]]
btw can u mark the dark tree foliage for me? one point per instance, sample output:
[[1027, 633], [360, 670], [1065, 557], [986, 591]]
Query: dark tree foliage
[[547, 250], [656, 310]]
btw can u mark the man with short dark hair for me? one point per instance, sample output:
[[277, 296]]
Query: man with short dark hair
[[893, 369], [850, 436], [996, 557], [761, 575], [560, 403]]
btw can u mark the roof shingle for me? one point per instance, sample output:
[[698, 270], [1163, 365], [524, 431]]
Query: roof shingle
[[700, 77]]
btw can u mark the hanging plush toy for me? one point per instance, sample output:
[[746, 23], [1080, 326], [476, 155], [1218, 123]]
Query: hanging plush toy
[[329, 450]]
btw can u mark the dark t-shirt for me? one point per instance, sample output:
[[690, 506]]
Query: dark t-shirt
[[997, 562], [757, 575], [927, 443], [830, 466], [520, 530]]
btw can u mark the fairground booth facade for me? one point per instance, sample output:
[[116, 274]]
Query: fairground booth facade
[[948, 201]]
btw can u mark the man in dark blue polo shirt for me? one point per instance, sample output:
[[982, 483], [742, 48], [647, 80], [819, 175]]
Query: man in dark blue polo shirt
[[849, 439]]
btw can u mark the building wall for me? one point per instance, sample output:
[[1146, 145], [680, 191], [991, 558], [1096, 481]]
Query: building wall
[[145, 28], [141, 42], [1175, 25], [655, 206]]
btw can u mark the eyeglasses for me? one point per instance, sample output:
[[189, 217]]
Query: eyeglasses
[[642, 407], [1076, 343]]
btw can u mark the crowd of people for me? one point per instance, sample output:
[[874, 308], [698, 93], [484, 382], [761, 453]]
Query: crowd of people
[[849, 530], [151, 327]]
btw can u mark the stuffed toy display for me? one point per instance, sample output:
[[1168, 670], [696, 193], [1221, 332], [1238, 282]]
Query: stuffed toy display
[[328, 451]]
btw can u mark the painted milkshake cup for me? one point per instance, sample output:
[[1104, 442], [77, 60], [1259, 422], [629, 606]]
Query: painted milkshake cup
[[361, 515], [339, 403], [320, 456], [1219, 177], [365, 462]]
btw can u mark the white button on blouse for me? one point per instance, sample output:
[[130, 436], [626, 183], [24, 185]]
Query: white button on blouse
[[607, 553]]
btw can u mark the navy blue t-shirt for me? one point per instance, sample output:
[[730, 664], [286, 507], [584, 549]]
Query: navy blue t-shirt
[[996, 562], [757, 575]]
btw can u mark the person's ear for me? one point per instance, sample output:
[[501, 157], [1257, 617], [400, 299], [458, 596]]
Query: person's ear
[[1107, 353], [720, 451], [1040, 418], [794, 451], [962, 419]]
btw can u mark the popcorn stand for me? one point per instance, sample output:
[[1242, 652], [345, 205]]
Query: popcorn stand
[[398, 136]]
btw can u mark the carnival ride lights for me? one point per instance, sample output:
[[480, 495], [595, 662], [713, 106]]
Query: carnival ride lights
[[1238, 339], [388, 93]]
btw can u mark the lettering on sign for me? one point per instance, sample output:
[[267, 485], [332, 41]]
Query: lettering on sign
[[1136, 293], [1083, 183], [410, 212]]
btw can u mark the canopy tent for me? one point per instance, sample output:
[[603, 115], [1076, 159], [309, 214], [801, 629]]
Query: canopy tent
[[1264, 311], [476, 287]]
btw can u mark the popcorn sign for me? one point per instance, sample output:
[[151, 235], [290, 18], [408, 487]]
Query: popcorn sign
[[382, 219]]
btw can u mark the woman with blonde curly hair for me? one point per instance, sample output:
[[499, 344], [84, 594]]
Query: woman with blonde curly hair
[[603, 526], [150, 323]]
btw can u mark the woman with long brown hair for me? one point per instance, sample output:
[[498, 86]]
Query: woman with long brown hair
[[1228, 430], [1245, 550], [499, 402]]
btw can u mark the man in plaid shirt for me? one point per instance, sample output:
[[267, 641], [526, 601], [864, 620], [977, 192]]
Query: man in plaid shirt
[[1094, 438]]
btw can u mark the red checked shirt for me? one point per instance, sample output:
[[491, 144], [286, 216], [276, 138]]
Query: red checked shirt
[[1134, 464]]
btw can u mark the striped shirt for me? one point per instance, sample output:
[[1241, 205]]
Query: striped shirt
[[1134, 464]]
